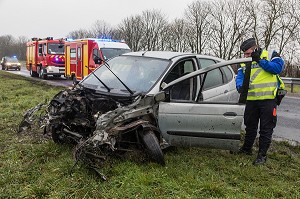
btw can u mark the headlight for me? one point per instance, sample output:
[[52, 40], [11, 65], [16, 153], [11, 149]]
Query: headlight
[[19, 64], [8, 64]]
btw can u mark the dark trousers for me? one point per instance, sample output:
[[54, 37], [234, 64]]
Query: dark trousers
[[263, 111]]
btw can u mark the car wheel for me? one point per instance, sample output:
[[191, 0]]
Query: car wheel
[[57, 76], [152, 146], [57, 136]]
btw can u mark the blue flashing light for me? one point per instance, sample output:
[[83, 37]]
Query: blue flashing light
[[56, 59], [14, 56], [101, 39], [108, 39], [69, 39]]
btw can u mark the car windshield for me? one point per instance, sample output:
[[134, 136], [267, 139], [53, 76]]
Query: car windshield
[[112, 52], [138, 73], [12, 59], [56, 49]]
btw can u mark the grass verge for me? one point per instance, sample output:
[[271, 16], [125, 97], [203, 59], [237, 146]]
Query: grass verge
[[39, 168]]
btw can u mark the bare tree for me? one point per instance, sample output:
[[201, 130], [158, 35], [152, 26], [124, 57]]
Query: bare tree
[[175, 36], [154, 24], [79, 34], [272, 12], [19, 47], [9, 46], [198, 25], [229, 25], [131, 31], [101, 29], [6, 42]]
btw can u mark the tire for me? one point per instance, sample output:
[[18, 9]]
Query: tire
[[57, 136], [75, 80], [152, 147], [56, 76], [41, 73], [32, 73]]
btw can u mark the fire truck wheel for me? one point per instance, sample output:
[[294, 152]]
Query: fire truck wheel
[[42, 75], [75, 81], [32, 73]]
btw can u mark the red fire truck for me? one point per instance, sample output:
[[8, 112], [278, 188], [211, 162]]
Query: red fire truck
[[45, 57], [82, 53]]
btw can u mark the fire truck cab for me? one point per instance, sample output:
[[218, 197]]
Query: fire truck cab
[[45, 57], [84, 55]]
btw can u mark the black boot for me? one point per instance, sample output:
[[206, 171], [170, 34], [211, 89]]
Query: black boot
[[261, 159], [242, 150]]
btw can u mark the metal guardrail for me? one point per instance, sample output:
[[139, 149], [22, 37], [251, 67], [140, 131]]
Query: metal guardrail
[[291, 81]]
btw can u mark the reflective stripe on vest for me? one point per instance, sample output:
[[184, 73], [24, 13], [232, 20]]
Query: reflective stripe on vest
[[262, 84]]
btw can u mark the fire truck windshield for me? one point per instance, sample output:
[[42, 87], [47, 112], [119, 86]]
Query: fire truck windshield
[[57, 49], [113, 52]]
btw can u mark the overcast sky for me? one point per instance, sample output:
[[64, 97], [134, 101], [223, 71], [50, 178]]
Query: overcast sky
[[56, 18]]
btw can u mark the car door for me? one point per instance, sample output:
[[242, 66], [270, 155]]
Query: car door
[[198, 122], [217, 87]]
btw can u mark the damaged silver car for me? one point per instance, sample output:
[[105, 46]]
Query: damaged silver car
[[149, 101]]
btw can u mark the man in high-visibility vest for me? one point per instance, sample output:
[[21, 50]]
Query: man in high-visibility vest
[[261, 101]]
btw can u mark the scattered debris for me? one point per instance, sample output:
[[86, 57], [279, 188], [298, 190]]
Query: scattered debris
[[99, 125]]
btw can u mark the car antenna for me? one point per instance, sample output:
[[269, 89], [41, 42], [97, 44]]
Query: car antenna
[[144, 53]]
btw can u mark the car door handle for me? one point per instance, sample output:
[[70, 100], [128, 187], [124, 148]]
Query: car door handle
[[230, 114]]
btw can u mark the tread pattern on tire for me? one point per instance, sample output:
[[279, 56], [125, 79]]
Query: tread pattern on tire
[[152, 146]]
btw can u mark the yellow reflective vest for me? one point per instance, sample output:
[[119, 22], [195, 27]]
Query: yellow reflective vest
[[262, 85]]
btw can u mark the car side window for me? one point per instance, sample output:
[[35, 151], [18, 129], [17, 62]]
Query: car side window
[[40, 49], [180, 69], [184, 90], [227, 74], [215, 77], [205, 62], [45, 48]]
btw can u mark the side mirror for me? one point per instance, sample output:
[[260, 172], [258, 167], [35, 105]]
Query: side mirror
[[160, 96], [97, 60]]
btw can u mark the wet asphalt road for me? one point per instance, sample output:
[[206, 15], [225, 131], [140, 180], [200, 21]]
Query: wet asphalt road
[[60, 81], [288, 121]]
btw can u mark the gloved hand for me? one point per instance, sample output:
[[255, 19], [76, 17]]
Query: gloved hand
[[275, 54], [256, 55]]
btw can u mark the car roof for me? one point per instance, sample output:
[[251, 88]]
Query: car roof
[[168, 55]]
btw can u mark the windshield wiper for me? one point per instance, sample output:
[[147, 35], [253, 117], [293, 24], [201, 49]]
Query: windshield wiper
[[108, 89], [108, 67]]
